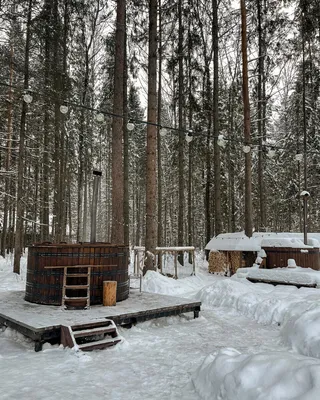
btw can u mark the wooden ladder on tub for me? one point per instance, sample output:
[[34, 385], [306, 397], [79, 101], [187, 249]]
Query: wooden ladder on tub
[[67, 286], [84, 301]]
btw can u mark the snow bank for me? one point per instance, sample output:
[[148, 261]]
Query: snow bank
[[9, 280], [154, 282], [296, 310], [300, 276], [238, 241], [231, 375]]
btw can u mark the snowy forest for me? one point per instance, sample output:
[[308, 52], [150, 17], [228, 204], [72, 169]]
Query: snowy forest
[[152, 95]]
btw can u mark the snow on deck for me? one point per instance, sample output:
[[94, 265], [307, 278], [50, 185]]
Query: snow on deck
[[295, 276], [14, 307]]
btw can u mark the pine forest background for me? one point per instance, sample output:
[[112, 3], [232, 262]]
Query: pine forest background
[[74, 78]]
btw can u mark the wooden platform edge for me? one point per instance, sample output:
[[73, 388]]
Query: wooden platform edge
[[133, 318], [52, 334], [275, 283], [38, 335]]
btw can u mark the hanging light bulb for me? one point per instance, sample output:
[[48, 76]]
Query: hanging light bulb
[[221, 141], [63, 109], [130, 126], [246, 149], [163, 132], [189, 137], [271, 153], [100, 117], [27, 98], [299, 157]]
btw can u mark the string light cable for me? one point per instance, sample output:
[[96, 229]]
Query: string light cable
[[29, 94]]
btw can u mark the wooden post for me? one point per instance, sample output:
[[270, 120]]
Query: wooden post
[[109, 293], [175, 265], [160, 260], [193, 263]]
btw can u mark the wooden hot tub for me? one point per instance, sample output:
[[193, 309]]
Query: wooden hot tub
[[44, 285]]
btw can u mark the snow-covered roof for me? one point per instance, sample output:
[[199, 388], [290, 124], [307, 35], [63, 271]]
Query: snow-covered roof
[[238, 241]]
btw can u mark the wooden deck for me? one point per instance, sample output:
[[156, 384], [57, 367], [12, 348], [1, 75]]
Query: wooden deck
[[43, 323]]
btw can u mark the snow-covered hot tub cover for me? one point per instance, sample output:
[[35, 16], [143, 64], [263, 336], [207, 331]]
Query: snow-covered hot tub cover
[[238, 241]]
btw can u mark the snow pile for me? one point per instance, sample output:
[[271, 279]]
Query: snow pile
[[285, 275], [154, 282], [295, 243], [302, 330], [161, 355], [296, 310], [9, 280], [238, 241], [231, 375]]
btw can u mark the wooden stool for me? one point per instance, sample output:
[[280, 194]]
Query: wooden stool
[[109, 293]]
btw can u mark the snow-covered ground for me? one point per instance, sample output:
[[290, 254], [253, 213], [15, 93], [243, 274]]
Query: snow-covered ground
[[251, 342]]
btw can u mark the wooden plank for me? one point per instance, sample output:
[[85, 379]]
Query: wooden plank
[[77, 286], [111, 329], [275, 283], [79, 266], [67, 338], [99, 345]]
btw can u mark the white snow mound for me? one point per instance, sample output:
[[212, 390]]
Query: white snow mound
[[230, 375]]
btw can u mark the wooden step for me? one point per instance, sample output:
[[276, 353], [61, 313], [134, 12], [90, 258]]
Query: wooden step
[[83, 275], [90, 336], [66, 298], [99, 344], [76, 286], [95, 331], [100, 323]]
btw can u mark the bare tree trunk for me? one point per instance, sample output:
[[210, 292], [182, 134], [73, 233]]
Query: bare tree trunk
[[3, 245], [20, 183], [64, 172], [190, 164], [45, 177], [58, 149], [246, 114], [217, 162], [117, 232], [261, 133], [160, 224], [126, 217], [231, 191], [151, 175], [181, 135]]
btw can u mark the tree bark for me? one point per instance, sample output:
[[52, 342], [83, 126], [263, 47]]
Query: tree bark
[[160, 224], [217, 162], [117, 231], [20, 182], [151, 173], [261, 125], [246, 115], [126, 217], [181, 135], [3, 245]]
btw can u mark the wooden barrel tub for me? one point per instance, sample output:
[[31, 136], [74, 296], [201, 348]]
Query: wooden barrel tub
[[304, 257], [44, 285]]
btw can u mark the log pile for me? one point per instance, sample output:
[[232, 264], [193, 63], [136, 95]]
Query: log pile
[[225, 263]]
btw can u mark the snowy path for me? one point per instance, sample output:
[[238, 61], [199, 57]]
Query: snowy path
[[155, 361]]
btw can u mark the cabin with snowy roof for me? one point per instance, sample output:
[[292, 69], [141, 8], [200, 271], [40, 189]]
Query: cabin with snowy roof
[[230, 251]]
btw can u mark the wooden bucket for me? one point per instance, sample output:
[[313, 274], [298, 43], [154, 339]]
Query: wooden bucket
[[44, 286]]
